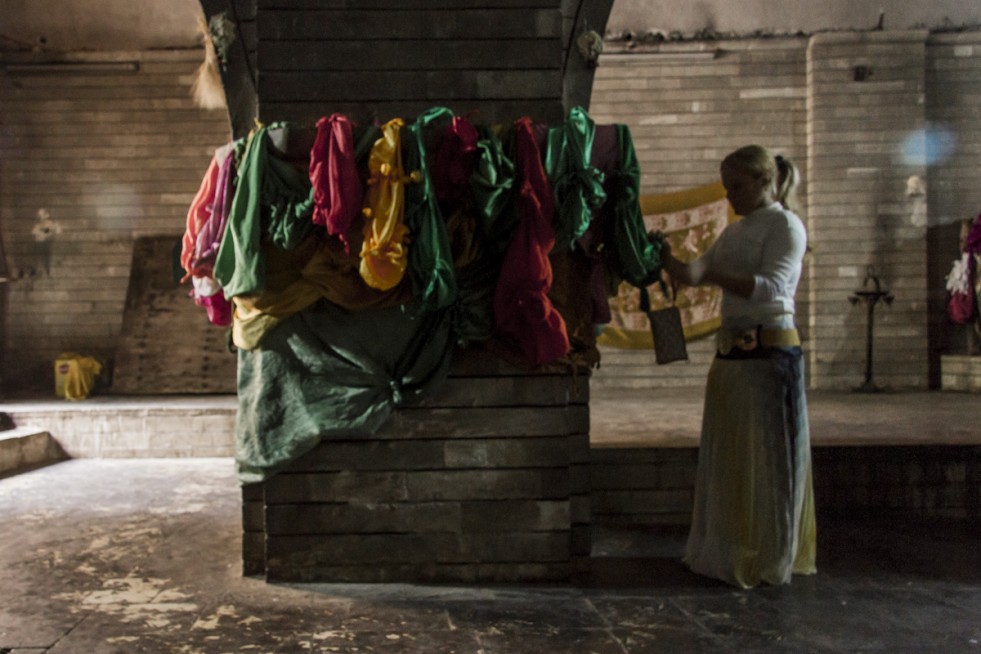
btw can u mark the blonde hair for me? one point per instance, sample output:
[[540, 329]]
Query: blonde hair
[[778, 172]]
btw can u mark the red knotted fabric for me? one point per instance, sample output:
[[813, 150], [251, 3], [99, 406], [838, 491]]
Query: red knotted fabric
[[454, 161], [337, 189], [522, 310]]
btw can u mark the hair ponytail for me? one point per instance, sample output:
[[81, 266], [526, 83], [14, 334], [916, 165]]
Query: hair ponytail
[[786, 182]]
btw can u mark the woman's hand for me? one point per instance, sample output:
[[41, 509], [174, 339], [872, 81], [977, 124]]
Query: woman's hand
[[686, 273]]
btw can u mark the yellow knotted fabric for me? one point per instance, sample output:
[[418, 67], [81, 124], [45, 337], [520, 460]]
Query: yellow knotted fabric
[[296, 279], [384, 253]]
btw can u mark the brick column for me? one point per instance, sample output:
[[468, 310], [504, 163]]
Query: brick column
[[865, 107], [485, 481]]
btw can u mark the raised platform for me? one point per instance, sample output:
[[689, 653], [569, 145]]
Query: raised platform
[[960, 372], [112, 426], [882, 454], [133, 426], [671, 417]]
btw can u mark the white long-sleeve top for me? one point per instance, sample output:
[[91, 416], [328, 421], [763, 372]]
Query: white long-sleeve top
[[769, 245]]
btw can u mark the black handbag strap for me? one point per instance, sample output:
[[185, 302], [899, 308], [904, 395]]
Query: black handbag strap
[[645, 298]]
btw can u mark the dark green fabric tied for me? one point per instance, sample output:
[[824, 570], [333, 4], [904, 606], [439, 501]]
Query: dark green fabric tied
[[330, 373], [576, 184], [274, 201], [290, 197], [492, 183], [396, 389], [430, 257], [631, 252]]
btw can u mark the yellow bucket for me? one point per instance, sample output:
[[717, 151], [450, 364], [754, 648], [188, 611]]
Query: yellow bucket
[[75, 375]]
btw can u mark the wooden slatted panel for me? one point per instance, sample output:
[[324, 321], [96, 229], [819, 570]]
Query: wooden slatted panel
[[167, 344], [469, 25], [453, 85], [376, 60]]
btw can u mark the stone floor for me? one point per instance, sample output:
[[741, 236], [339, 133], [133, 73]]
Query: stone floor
[[143, 555]]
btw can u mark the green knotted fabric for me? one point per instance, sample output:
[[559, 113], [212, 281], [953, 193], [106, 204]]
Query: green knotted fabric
[[274, 201], [329, 373], [430, 258], [631, 253], [492, 184], [577, 185]]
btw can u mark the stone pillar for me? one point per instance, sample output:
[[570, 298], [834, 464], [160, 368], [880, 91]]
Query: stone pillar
[[487, 481]]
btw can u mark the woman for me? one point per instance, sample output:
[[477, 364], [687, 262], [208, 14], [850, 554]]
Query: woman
[[753, 519]]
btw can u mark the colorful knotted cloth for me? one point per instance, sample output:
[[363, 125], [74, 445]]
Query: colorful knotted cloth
[[522, 310], [337, 190], [430, 259], [578, 185], [274, 203], [198, 214], [384, 253]]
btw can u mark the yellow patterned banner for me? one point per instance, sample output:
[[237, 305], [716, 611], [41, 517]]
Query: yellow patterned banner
[[691, 220]]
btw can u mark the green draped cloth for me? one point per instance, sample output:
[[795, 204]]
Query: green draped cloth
[[577, 185], [329, 373], [430, 258], [631, 253], [492, 183], [494, 218], [274, 201]]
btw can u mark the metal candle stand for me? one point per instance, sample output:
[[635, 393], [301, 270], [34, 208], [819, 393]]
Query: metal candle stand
[[871, 298]]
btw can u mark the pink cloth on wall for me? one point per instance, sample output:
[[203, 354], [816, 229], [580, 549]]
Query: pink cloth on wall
[[962, 304], [198, 214], [522, 310], [209, 238], [207, 293], [337, 189]]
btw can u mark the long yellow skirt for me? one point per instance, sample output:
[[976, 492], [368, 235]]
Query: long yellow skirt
[[753, 519]]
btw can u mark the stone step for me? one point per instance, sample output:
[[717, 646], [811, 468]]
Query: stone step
[[136, 426], [26, 447]]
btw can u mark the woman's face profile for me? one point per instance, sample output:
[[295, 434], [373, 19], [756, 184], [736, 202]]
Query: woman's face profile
[[744, 192]]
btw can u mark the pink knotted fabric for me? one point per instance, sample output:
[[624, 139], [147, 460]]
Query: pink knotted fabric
[[522, 309], [198, 214], [337, 190], [209, 238]]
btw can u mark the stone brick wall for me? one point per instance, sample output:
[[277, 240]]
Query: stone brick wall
[[953, 84], [654, 487], [859, 213], [109, 155], [487, 480], [689, 103], [115, 155]]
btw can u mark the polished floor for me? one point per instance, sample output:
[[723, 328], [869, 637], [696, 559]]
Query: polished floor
[[143, 555]]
